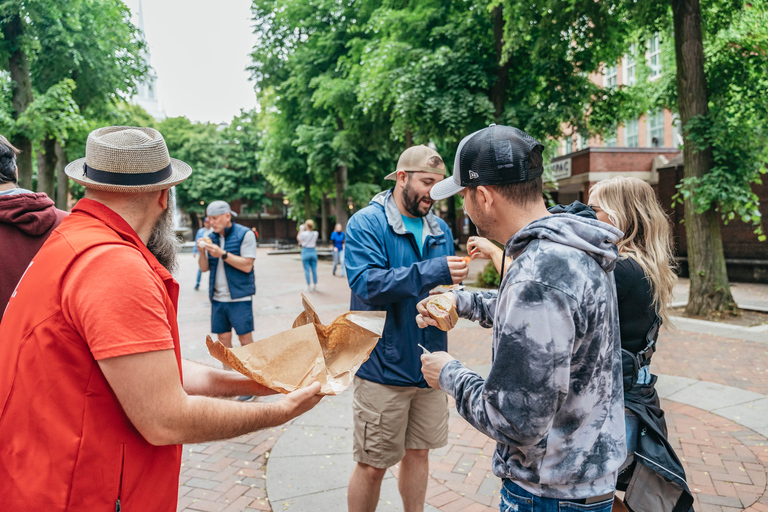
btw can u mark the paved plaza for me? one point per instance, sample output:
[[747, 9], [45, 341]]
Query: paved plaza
[[713, 380]]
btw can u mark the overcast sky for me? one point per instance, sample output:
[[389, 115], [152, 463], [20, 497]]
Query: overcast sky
[[199, 50]]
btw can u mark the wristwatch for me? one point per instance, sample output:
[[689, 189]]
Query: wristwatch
[[224, 256]]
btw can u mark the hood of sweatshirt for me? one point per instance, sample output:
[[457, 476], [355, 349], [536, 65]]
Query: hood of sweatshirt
[[595, 238], [32, 213]]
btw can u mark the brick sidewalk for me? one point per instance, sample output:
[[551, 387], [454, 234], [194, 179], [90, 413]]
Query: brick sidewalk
[[227, 476]]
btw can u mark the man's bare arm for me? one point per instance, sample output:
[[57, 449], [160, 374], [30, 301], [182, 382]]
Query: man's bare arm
[[239, 262], [202, 259], [149, 389], [203, 380]]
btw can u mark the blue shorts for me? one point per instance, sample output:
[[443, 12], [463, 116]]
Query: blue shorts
[[226, 315]]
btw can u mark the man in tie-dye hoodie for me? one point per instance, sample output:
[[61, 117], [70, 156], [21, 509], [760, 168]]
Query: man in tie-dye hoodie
[[553, 400]]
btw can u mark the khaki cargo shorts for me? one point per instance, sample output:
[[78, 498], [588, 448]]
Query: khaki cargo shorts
[[391, 419]]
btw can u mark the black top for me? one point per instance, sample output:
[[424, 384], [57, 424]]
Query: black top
[[636, 311]]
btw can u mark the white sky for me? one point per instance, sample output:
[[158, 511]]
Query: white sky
[[199, 51]]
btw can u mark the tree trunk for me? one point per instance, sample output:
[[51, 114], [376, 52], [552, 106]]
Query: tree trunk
[[46, 167], [324, 234], [13, 31], [62, 182], [498, 93], [709, 289], [408, 138], [342, 212]]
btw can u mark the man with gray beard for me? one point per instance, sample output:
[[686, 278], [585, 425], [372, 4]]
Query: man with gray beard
[[94, 406]]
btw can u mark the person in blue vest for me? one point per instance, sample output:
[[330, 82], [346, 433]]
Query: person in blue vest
[[397, 250], [203, 232], [232, 286]]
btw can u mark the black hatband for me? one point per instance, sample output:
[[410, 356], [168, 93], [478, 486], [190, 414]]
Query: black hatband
[[116, 178]]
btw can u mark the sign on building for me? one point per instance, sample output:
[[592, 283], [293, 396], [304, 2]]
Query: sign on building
[[559, 170]]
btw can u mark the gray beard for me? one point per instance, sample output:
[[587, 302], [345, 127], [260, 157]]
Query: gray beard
[[163, 242]]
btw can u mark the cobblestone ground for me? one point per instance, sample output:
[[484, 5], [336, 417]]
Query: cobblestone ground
[[725, 462]]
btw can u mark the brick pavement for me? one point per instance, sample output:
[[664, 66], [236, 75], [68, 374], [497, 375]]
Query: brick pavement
[[726, 462], [227, 476]]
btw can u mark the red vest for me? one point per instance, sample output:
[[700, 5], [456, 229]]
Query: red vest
[[65, 442]]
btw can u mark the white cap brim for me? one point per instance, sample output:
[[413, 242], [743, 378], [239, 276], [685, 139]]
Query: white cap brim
[[445, 189]]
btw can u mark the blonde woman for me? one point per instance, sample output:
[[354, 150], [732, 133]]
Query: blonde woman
[[307, 238], [644, 282]]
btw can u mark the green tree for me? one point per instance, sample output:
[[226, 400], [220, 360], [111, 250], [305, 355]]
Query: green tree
[[568, 41], [307, 96], [87, 49]]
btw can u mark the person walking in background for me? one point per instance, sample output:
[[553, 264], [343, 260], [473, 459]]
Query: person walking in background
[[397, 250], [307, 238], [553, 399], [232, 284], [652, 474], [203, 232], [26, 221], [337, 237], [97, 400]]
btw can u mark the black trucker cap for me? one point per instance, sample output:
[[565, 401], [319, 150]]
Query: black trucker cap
[[496, 155]]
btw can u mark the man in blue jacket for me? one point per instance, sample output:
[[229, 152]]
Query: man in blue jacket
[[396, 251]]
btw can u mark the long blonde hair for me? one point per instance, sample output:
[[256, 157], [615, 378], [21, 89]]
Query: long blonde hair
[[632, 207]]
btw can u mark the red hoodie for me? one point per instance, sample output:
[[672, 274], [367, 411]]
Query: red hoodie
[[26, 220]]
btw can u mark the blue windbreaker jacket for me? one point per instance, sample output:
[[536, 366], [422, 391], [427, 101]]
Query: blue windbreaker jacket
[[387, 273]]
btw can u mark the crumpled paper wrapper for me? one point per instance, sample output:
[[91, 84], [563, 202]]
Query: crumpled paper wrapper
[[309, 352]]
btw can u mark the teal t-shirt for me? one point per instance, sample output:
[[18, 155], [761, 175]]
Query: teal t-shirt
[[415, 226]]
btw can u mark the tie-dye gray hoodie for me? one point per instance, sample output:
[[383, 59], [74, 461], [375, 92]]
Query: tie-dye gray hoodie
[[554, 399]]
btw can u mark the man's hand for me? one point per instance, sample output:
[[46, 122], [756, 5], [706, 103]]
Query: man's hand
[[479, 247], [431, 366], [423, 319], [213, 249], [300, 401], [458, 267]]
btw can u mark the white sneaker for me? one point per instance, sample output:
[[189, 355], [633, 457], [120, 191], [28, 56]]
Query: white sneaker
[[307, 289], [314, 289]]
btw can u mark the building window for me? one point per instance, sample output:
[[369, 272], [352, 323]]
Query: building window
[[609, 76], [629, 66], [631, 133], [611, 138], [654, 122], [567, 145], [677, 135], [654, 57], [581, 142]]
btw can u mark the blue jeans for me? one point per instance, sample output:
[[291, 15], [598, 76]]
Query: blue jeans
[[516, 499], [309, 260], [338, 259], [199, 273]]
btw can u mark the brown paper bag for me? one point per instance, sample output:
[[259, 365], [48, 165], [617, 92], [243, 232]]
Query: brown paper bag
[[309, 352]]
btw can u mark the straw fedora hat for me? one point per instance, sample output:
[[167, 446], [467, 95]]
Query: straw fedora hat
[[127, 159]]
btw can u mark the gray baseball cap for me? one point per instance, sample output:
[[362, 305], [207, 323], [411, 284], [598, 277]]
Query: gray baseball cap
[[219, 208]]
